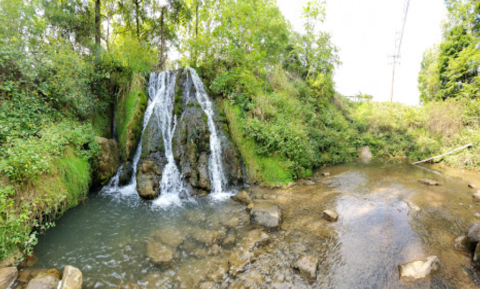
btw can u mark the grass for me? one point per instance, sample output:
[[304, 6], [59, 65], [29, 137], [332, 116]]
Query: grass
[[271, 170]]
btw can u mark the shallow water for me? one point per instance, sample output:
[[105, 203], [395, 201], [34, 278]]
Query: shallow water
[[106, 236]]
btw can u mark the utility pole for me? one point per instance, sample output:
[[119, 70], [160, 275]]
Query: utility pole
[[398, 44]]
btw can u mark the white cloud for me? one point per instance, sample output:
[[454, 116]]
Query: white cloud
[[365, 32]]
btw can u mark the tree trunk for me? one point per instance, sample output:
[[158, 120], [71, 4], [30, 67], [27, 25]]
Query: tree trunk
[[196, 37], [136, 18], [161, 58], [98, 31]]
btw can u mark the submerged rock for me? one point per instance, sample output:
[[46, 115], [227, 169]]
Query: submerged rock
[[108, 161], [238, 260], [413, 207], [207, 237], [330, 215], [307, 266], [170, 236], [249, 280], [415, 270], [7, 276], [428, 182], [325, 174], [159, 253], [242, 198], [45, 280], [255, 239], [128, 286], [266, 215], [72, 278]]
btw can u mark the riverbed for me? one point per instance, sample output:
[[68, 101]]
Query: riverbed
[[379, 227]]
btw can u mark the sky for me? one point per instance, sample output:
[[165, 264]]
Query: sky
[[365, 32]]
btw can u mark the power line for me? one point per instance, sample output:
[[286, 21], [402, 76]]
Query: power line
[[398, 43]]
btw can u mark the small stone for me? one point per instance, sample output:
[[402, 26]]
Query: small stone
[[428, 182], [471, 186], [477, 215], [330, 215], [72, 278], [159, 253], [7, 276], [250, 207], [326, 174], [476, 196], [462, 244], [307, 266], [418, 269], [242, 198], [266, 215], [460, 204]]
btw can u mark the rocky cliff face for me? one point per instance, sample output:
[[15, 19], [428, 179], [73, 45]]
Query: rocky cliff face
[[190, 145]]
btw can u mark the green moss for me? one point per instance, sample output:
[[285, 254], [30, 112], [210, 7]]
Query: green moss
[[177, 108], [101, 123], [272, 170], [75, 174]]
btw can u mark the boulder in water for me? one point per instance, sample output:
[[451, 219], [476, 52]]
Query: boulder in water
[[473, 233], [207, 237], [307, 266], [7, 276], [242, 198], [330, 215], [266, 215], [45, 280], [462, 244], [148, 179], [476, 196], [159, 253], [428, 182], [72, 278], [325, 174], [108, 162], [418, 269]]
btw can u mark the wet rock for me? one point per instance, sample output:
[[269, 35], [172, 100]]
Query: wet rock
[[157, 280], [307, 265], [473, 233], [207, 237], [309, 183], [108, 161], [45, 280], [229, 240], [12, 259], [330, 215], [26, 275], [428, 182], [476, 257], [238, 260], [170, 236], [325, 174], [231, 161], [364, 153], [221, 270], [471, 186], [207, 285], [203, 179], [242, 198], [148, 177], [250, 280], [415, 270], [196, 217], [232, 222], [463, 244], [159, 253], [269, 197], [126, 174], [255, 239], [258, 191], [476, 196], [192, 274], [72, 278], [7, 276], [477, 215], [266, 215]]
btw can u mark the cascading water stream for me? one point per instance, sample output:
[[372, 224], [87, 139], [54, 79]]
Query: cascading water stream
[[215, 166]]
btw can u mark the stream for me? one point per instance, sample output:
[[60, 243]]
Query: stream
[[106, 237]]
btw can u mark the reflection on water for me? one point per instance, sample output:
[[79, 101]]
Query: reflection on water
[[107, 236]]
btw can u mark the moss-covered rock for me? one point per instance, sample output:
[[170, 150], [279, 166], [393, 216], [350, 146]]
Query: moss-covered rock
[[108, 161]]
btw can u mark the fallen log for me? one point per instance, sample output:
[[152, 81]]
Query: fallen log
[[449, 153]]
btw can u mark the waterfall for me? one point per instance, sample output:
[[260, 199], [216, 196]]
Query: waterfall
[[215, 166], [161, 90], [171, 184]]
